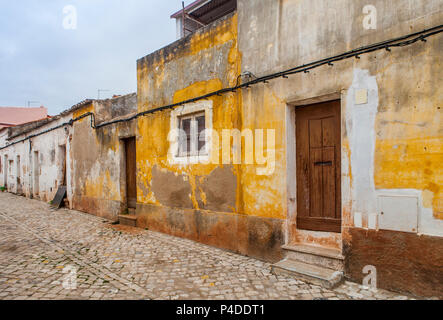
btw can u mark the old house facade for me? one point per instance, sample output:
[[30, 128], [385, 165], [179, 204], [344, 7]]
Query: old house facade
[[99, 157], [284, 130], [357, 173], [387, 121], [66, 150]]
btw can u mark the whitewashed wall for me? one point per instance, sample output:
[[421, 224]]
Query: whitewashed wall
[[38, 178]]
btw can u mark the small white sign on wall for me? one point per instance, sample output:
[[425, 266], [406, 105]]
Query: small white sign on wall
[[361, 96], [398, 213]]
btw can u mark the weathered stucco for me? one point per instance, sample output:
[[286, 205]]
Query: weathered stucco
[[200, 64], [391, 136], [99, 158], [391, 144], [217, 199], [35, 167]]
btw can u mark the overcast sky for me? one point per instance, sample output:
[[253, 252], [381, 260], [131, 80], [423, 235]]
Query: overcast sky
[[42, 61]]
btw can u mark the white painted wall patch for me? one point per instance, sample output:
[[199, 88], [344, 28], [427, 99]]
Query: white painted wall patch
[[358, 220], [372, 221]]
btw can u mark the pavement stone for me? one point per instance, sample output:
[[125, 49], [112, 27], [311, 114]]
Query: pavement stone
[[48, 254]]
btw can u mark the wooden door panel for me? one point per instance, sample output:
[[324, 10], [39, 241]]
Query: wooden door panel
[[328, 185], [318, 167], [302, 164], [131, 183], [328, 132], [319, 224], [315, 186], [315, 133]]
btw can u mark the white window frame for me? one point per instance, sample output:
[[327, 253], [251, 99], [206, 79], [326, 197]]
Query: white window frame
[[194, 135], [191, 110]]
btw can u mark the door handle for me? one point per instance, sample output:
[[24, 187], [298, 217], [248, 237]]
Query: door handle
[[323, 163]]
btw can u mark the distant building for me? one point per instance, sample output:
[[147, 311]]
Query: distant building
[[14, 116], [36, 158]]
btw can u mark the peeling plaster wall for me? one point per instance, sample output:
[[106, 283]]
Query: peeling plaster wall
[[362, 143], [3, 137], [99, 185], [391, 137], [211, 203], [50, 162], [95, 164], [273, 35], [360, 128], [372, 161], [391, 122]]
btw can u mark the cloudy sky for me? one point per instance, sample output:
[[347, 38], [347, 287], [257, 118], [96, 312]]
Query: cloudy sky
[[42, 61]]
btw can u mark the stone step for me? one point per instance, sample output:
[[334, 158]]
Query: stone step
[[313, 274], [317, 256], [128, 220]]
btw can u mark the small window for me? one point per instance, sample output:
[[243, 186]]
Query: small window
[[191, 133], [192, 141]]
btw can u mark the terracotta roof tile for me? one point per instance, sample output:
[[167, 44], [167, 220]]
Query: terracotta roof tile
[[13, 116]]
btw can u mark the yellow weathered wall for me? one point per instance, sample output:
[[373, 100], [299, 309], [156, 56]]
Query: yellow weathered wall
[[409, 148], [204, 62], [256, 195], [405, 134], [153, 145]]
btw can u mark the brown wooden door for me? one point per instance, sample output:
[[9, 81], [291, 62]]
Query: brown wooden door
[[131, 184], [319, 167]]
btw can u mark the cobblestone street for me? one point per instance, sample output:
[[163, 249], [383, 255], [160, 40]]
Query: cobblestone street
[[40, 248]]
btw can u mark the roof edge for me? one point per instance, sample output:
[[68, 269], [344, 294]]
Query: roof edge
[[192, 6]]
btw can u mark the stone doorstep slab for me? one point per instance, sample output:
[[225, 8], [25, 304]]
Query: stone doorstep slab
[[128, 220], [322, 257], [315, 250], [313, 274]]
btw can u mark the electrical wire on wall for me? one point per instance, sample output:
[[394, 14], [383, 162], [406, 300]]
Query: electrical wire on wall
[[356, 53]]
